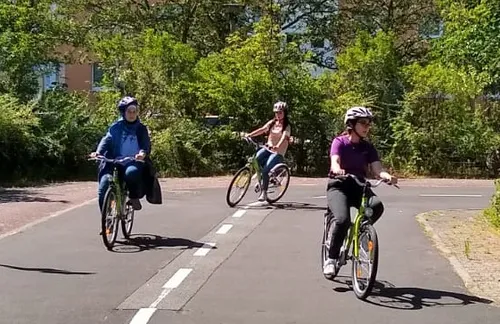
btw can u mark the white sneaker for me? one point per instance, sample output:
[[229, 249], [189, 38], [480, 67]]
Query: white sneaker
[[262, 196], [329, 267]]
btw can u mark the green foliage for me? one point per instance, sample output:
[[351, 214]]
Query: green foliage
[[188, 149], [471, 35], [492, 213], [441, 123], [150, 66], [184, 60], [29, 34]]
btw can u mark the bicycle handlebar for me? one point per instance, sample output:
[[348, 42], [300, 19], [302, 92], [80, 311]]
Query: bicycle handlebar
[[361, 183], [115, 161], [254, 143]]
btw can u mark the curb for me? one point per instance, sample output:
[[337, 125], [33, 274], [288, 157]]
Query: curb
[[46, 218], [469, 283]]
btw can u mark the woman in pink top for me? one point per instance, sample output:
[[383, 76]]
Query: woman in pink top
[[279, 131]]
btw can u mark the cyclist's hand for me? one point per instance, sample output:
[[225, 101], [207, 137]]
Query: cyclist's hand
[[93, 155], [141, 156], [389, 178], [335, 172]]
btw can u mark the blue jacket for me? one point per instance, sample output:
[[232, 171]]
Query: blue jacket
[[110, 146]]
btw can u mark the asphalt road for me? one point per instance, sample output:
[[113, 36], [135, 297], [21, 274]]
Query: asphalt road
[[195, 260]]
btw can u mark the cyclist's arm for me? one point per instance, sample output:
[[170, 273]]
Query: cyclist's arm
[[378, 171], [335, 156], [146, 142], [335, 163], [105, 144], [284, 137], [261, 130]]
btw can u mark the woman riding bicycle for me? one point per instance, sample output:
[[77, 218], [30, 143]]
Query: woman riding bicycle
[[351, 153], [128, 137], [279, 131]]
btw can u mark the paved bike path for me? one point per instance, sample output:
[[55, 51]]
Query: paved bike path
[[275, 277], [265, 267]]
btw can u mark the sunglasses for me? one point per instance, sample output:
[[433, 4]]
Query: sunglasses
[[364, 122]]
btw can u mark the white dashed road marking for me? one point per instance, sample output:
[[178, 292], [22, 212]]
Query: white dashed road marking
[[177, 278], [224, 229], [450, 195], [151, 296], [204, 250], [239, 213], [143, 316]]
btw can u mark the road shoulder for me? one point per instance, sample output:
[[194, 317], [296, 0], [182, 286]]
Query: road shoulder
[[470, 245]]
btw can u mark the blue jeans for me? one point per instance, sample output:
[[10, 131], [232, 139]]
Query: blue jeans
[[267, 160], [132, 177]]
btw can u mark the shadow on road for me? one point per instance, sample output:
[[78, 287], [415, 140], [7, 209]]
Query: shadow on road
[[145, 242], [47, 270], [385, 294], [21, 195], [298, 205], [284, 205]]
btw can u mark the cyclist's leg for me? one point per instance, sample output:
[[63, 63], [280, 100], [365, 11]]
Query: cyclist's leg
[[132, 177], [338, 203], [103, 186], [262, 156], [376, 204], [272, 161]]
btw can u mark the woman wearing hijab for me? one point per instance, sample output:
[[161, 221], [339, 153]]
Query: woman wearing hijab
[[127, 137]]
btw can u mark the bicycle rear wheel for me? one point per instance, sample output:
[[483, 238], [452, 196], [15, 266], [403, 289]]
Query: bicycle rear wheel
[[241, 180], [366, 260], [109, 218], [278, 183]]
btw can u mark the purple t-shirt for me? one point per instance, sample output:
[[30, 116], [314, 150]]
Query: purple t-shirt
[[354, 157]]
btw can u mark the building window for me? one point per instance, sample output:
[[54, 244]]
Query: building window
[[97, 77], [433, 27]]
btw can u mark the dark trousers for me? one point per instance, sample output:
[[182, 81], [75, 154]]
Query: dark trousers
[[341, 195]]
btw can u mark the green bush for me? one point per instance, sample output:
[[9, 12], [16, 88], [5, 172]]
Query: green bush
[[189, 149], [492, 213], [21, 142]]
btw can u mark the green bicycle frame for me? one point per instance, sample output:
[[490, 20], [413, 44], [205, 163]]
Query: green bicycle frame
[[255, 167], [353, 236], [119, 191]]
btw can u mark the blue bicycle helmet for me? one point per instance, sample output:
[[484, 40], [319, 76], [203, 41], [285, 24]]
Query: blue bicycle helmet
[[125, 102]]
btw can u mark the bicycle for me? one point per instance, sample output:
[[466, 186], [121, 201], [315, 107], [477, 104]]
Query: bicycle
[[116, 196], [358, 230], [243, 177]]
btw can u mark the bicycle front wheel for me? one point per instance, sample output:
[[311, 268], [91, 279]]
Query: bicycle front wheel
[[109, 218], [366, 262], [127, 221], [240, 184]]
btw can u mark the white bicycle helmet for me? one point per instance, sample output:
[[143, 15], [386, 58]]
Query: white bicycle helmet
[[357, 112], [279, 106]]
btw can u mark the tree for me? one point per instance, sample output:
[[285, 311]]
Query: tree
[[30, 34], [403, 18], [471, 35]]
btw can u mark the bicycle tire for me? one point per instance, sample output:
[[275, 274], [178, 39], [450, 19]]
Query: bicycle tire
[[247, 184], [324, 249], [282, 166], [363, 293], [127, 227], [109, 243]]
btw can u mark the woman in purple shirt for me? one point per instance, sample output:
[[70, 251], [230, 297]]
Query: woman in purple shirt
[[351, 153]]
